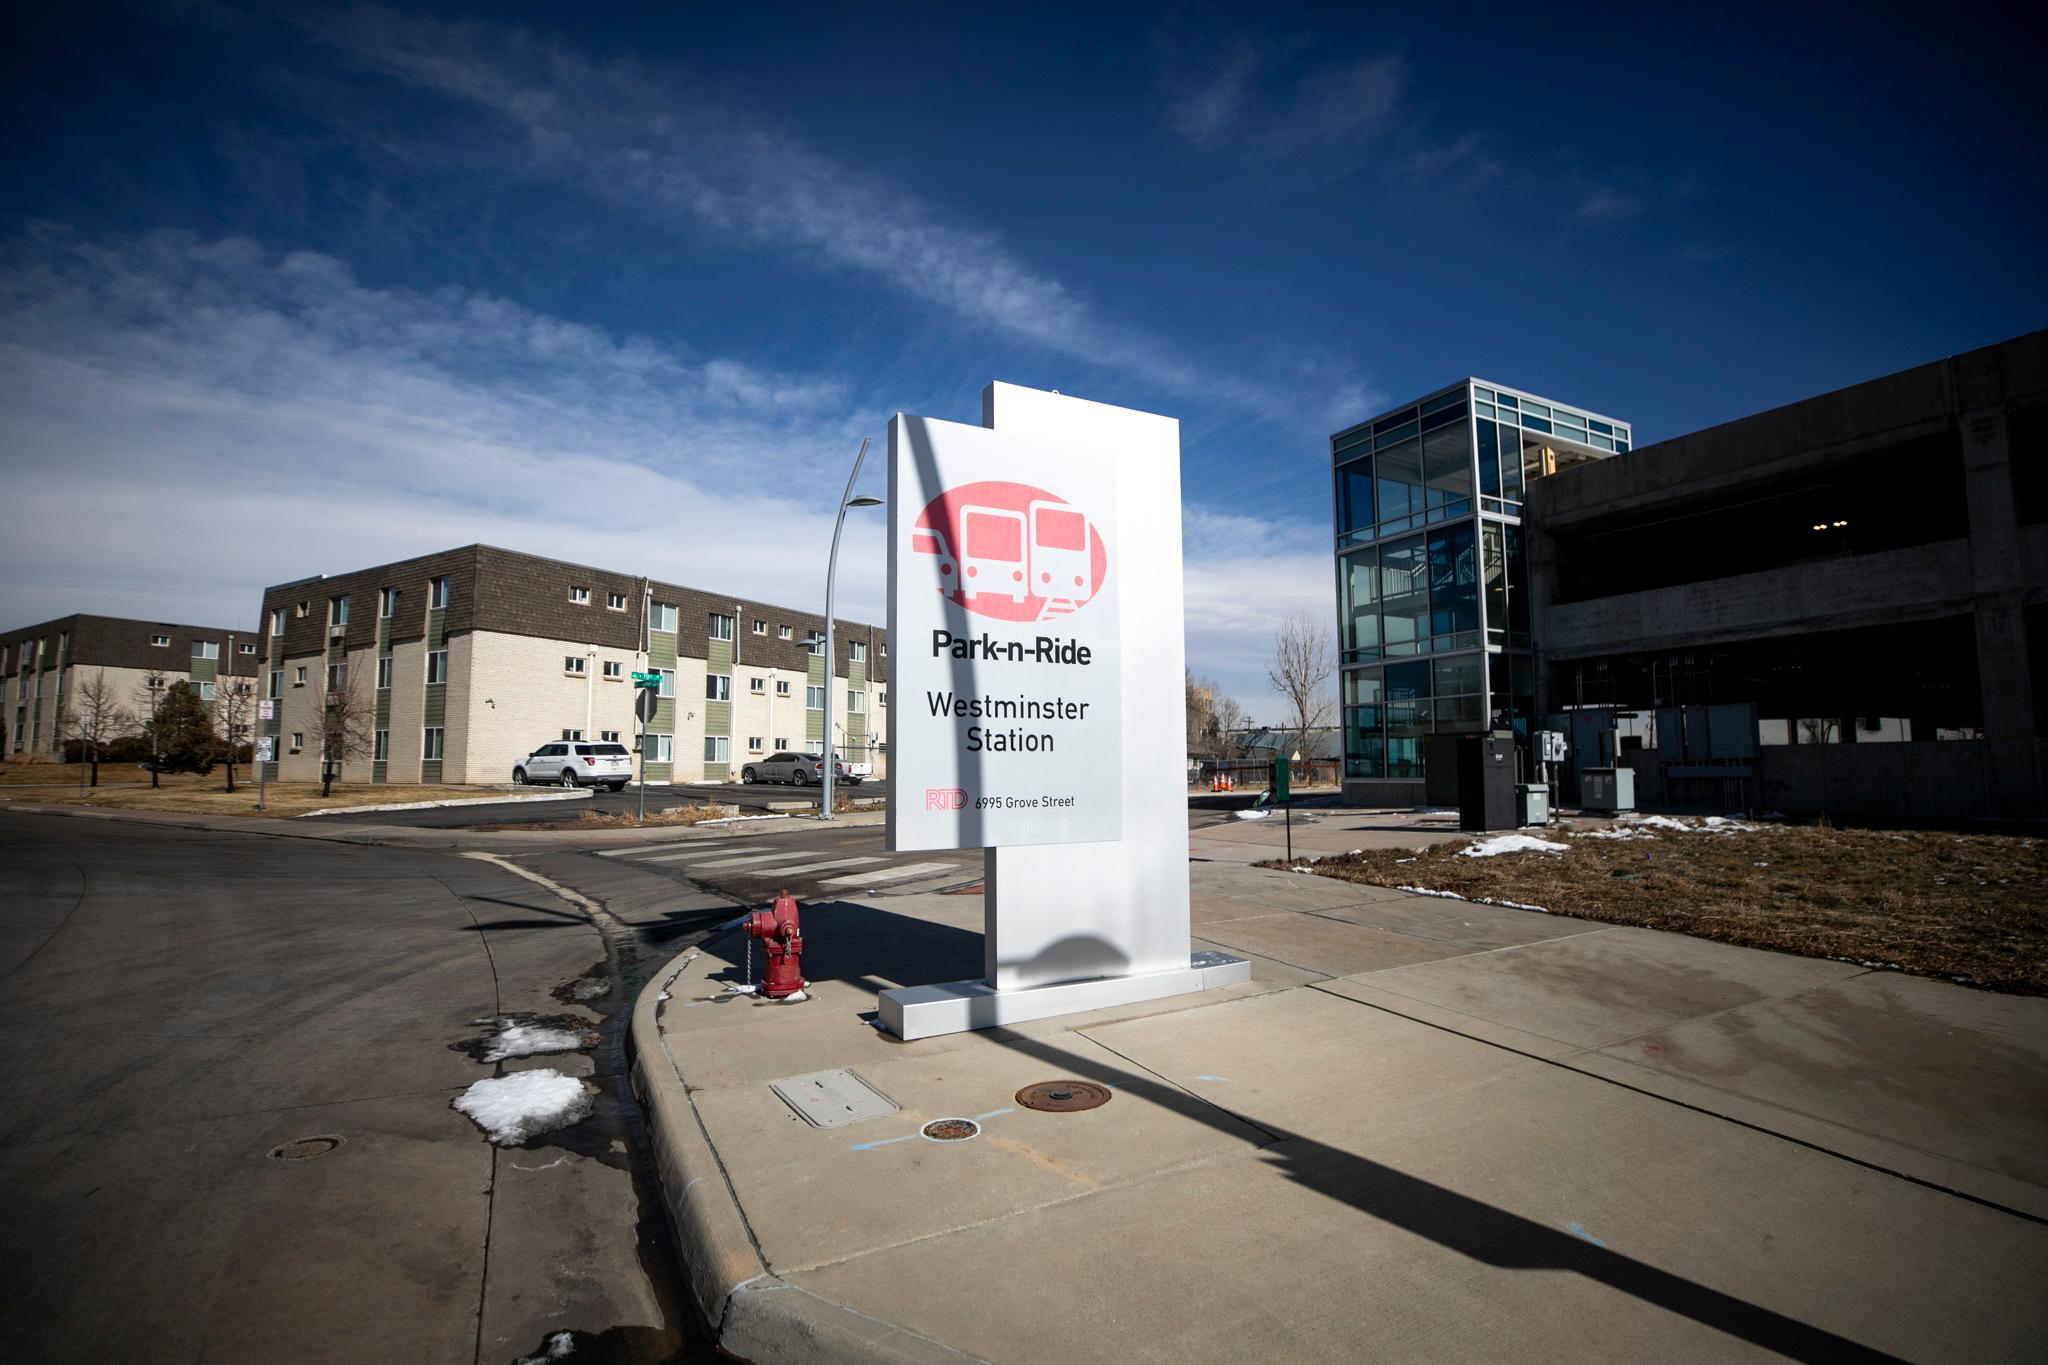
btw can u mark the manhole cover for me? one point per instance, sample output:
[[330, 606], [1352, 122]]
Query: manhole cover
[[950, 1130], [304, 1149], [1063, 1097]]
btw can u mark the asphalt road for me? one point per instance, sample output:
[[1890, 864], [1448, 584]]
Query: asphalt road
[[757, 797], [182, 1004]]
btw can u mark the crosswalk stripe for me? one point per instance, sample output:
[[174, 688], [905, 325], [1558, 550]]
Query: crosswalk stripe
[[639, 849], [889, 874], [696, 853], [805, 869], [753, 858]]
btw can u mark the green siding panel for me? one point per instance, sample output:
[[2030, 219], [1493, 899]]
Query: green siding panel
[[437, 628], [857, 675], [718, 657], [378, 770], [664, 722], [205, 670], [437, 705], [430, 771], [814, 725], [814, 673], [661, 649], [717, 717], [659, 772]]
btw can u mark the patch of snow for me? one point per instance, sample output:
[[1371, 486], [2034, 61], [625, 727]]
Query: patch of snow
[[1620, 832], [511, 1109], [1434, 810], [1510, 843], [1301, 869], [736, 820], [1656, 822], [1253, 814], [1473, 900], [559, 1347], [531, 1040], [1722, 824]]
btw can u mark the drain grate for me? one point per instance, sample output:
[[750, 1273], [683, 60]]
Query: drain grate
[[950, 1130], [1063, 1097], [304, 1149]]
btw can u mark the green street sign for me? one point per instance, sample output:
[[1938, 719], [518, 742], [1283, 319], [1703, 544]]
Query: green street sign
[[647, 680]]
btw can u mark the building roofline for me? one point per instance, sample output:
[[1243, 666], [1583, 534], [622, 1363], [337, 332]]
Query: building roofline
[[1467, 382]]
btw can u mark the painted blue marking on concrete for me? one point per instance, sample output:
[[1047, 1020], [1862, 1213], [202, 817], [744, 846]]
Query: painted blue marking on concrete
[[881, 1142], [994, 1114], [1223, 1079], [1578, 1230]]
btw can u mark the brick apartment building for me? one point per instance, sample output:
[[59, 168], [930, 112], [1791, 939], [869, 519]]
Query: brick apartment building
[[41, 668], [472, 658]]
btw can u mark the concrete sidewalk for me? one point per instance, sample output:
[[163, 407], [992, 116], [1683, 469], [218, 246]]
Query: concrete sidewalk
[[1426, 1128]]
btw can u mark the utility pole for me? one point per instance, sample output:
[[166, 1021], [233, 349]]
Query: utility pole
[[155, 683]]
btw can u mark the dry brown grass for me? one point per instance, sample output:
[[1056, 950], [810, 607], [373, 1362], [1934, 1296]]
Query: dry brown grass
[[190, 794], [590, 819], [1965, 907]]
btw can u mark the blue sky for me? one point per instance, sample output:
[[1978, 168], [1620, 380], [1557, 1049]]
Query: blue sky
[[298, 289]]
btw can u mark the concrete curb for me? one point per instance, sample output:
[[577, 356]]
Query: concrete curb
[[751, 1312], [580, 794]]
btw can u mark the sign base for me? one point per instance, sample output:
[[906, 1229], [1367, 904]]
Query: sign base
[[913, 1012]]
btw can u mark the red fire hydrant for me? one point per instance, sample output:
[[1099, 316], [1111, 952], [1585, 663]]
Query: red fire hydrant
[[783, 944]]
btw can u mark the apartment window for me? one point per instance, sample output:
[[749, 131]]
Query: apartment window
[[437, 594], [430, 742], [206, 691], [856, 702], [206, 649], [381, 748], [753, 744], [760, 626], [337, 610], [384, 674], [299, 610], [608, 736], [781, 690], [662, 616], [615, 601], [437, 666], [387, 603], [660, 748], [783, 633], [814, 698], [337, 677], [882, 700], [614, 671], [572, 734], [757, 685], [574, 663], [276, 682], [580, 596], [300, 679], [277, 620], [717, 687], [781, 745], [247, 649], [160, 641], [885, 651], [857, 651], [715, 748], [298, 741], [668, 682], [721, 627]]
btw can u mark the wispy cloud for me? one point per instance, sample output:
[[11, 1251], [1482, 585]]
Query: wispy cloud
[[189, 420], [1606, 205], [637, 140], [1466, 160], [1251, 101]]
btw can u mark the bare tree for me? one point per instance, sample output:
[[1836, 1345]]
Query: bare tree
[[96, 718], [234, 703], [1232, 720], [1303, 659], [346, 722]]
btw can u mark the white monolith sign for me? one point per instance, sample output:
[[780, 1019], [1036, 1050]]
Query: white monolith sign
[[1037, 701]]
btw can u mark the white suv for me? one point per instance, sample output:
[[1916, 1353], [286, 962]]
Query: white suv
[[577, 765]]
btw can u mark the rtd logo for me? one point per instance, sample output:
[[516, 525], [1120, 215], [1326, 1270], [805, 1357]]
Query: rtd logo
[[944, 798], [1011, 552]]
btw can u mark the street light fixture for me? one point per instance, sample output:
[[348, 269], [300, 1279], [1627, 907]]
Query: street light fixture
[[846, 500]]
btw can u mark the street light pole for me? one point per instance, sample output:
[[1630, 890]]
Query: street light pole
[[155, 683], [846, 500]]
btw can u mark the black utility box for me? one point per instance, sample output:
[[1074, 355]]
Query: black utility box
[[1486, 783]]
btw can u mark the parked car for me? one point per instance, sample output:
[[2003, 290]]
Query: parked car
[[577, 764], [802, 769]]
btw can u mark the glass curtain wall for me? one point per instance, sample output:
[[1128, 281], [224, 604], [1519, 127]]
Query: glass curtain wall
[[1434, 622]]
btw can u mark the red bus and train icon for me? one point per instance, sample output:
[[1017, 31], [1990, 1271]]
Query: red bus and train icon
[[1010, 551]]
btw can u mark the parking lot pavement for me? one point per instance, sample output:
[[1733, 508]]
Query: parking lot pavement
[[227, 1133], [751, 797]]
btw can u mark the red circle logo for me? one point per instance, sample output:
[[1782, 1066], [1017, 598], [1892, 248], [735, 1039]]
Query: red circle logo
[[1022, 537]]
